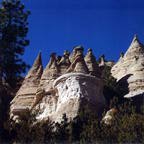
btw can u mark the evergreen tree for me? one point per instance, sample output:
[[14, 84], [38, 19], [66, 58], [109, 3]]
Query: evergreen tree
[[13, 32]]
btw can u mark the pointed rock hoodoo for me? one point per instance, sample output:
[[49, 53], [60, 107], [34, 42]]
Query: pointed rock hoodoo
[[26, 94], [131, 68], [37, 68], [78, 64], [51, 72], [92, 64], [135, 48], [64, 63], [72, 55], [45, 92], [102, 61]]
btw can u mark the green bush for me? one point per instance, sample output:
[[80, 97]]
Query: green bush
[[127, 127]]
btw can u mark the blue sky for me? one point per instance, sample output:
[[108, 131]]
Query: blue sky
[[106, 26]]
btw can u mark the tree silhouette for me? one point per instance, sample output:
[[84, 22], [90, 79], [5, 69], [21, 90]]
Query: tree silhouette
[[13, 32]]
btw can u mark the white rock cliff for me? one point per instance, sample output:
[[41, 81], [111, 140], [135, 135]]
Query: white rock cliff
[[72, 90]]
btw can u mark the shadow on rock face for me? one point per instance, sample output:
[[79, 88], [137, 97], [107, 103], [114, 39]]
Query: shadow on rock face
[[123, 85], [138, 102], [123, 88]]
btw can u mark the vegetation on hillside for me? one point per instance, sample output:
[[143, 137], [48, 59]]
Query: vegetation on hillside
[[13, 32], [127, 127]]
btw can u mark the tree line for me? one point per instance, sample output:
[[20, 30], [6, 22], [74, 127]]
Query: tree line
[[13, 33]]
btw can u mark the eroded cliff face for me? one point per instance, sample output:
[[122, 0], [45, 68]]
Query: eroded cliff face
[[72, 90], [63, 87], [74, 80], [130, 69]]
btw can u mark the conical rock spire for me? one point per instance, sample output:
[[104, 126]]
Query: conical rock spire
[[37, 67], [50, 73], [51, 70], [92, 64], [134, 54], [72, 55], [78, 64], [135, 48], [26, 94], [64, 63], [131, 65]]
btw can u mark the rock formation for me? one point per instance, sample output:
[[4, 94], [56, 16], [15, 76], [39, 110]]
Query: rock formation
[[72, 55], [27, 92], [72, 81], [64, 63], [73, 89], [103, 62], [130, 69], [78, 64], [46, 95], [50, 73], [92, 64], [109, 116], [63, 87]]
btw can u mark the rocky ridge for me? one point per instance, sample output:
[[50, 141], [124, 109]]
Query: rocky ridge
[[62, 88], [72, 81]]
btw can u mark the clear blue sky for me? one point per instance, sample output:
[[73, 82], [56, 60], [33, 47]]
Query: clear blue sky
[[106, 26]]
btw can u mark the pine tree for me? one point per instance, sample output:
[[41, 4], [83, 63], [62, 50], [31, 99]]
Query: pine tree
[[13, 32]]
